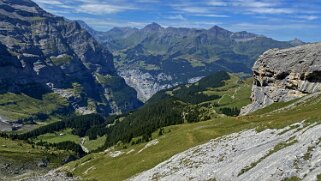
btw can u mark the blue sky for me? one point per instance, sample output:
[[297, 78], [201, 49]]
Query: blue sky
[[279, 19]]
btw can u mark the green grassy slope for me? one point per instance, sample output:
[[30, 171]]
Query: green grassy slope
[[20, 106], [71, 133], [18, 157], [60, 136], [93, 145], [67, 135], [178, 138], [195, 102], [232, 92], [219, 88]]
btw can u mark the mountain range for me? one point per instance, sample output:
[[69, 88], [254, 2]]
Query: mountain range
[[154, 58]]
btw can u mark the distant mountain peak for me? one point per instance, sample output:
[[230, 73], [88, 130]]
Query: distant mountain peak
[[217, 28], [296, 42], [219, 32], [153, 27]]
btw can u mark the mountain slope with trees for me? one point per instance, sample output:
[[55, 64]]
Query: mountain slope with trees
[[155, 58], [179, 138]]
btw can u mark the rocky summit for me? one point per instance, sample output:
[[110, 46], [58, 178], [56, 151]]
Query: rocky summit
[[284, 75], [41, 53]]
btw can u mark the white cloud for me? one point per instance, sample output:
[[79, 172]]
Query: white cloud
[[103, 8], [217, 3], [51, 6], [176, 17], [194, 9], [106, 24], [49, 2], [259, 7], [271, 10], [253, 4], [147, 1], [253, 27], [212, 15], [234, 6], [309, 17]]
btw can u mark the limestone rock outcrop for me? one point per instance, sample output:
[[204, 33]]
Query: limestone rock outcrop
[[243, 157], [284, 75]]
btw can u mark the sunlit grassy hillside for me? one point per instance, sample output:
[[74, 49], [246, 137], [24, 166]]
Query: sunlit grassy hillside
[[124, 161]]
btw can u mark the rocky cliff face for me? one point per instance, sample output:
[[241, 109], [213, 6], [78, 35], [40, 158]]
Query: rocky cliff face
[[146, 84], [284, 75], [40, 53]]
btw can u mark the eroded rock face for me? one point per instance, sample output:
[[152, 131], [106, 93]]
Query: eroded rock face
[[40, 52], [146, 84], [284, 75]]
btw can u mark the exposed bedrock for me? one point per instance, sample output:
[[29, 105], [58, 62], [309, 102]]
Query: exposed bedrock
[[284, 75]]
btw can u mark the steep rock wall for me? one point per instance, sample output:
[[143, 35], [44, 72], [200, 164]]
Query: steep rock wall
[[284, 75], [40, 52]]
